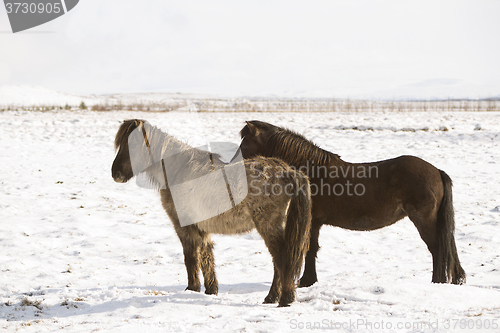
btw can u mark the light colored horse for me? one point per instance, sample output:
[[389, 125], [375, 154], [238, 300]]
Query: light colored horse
[[277, 204]]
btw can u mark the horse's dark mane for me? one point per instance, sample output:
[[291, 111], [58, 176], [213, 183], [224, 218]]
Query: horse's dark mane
[[296, 149], [291, 146]]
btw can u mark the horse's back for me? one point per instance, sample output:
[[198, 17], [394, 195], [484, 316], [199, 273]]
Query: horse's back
[[419, 185], [261, 193], [412, 178], [385, 192]]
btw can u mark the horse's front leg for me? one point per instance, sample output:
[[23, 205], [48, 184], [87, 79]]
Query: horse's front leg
[[191, 244], [208, 265], [191, 240], [192, 263]]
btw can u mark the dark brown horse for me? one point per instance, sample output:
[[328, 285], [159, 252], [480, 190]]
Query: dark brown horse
[[366, 196], [268, 196]]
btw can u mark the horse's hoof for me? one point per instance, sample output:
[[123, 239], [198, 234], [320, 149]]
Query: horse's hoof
[[285, 305], [192, 289], [286, 299], [212, 291], [306, 283], [271, 299]]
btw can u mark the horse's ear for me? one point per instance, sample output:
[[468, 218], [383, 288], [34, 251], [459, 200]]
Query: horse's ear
[[254, 130]]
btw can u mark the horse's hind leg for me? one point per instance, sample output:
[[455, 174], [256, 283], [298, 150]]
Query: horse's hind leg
[[287, 282], [208, 266], [309, 276], [427, 228], [275, 292], [437, 231], [274, 238], [283, 286], [434, 219]]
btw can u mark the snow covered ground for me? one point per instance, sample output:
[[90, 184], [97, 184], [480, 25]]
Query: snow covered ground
[[81, 253]]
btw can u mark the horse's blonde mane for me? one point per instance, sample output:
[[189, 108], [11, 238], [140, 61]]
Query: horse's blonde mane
[[187, 158]]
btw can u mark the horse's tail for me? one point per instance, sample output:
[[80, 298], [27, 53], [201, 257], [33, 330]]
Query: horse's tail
[[298, 225], [448, 263]]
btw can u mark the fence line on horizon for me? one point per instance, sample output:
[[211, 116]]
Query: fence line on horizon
[[276, 105]]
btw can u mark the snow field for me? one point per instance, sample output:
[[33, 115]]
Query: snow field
[[80, 252]]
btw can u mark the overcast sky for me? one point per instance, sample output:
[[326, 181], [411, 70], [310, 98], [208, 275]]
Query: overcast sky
[[375, 49]]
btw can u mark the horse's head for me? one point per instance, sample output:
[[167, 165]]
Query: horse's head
[[131, 146], [254, 138]]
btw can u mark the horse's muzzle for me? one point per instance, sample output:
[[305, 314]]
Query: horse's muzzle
[[119, 177]]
